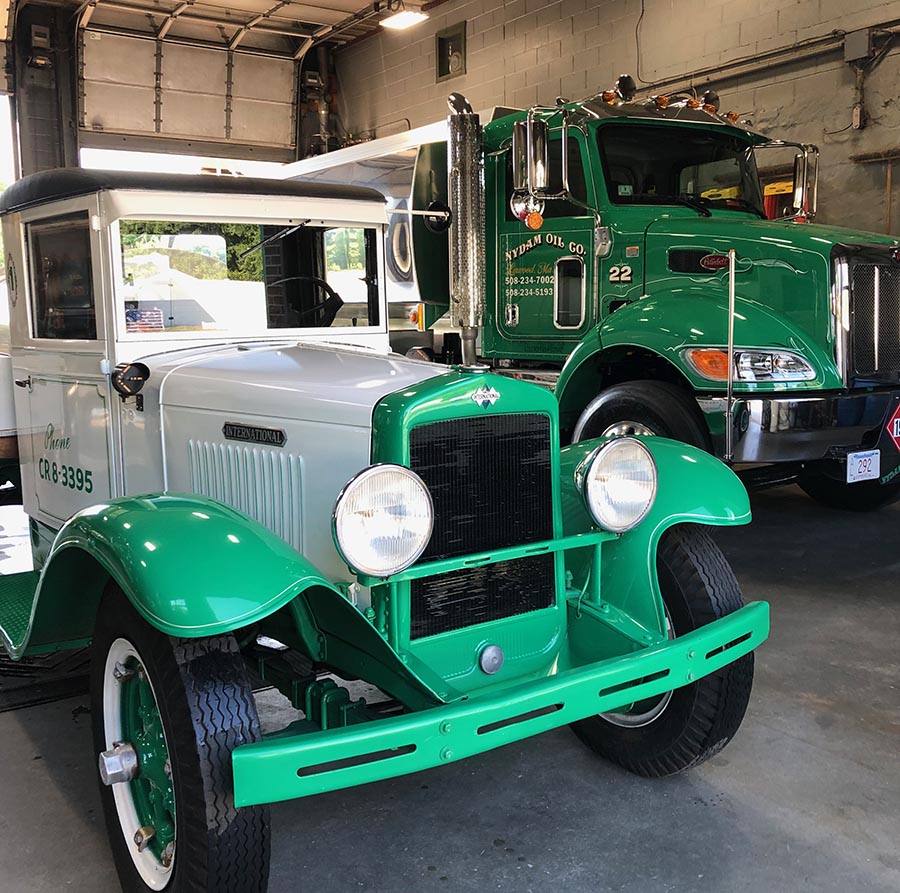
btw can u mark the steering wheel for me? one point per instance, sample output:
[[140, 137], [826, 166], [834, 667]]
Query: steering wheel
[[332, 303]]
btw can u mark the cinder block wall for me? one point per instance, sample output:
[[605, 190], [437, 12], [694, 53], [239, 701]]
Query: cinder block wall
[[524, 51]]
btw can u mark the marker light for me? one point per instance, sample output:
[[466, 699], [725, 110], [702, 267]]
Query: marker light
[[618, 482], [711, 98], [608, 96], [693, 104], [534, 220], [733, 117], [708, 107], [382, 520], [661, 101]]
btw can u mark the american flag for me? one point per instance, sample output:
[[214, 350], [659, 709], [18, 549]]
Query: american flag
[[144, 320]]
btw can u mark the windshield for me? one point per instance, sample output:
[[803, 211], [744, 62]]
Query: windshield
[[651, 164], [245, 278]]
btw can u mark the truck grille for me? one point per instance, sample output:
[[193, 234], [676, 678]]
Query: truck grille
[[875, 324], [490, 480]]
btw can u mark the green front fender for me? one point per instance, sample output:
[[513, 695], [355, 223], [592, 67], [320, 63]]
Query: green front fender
[[191, 566], [694, 488]]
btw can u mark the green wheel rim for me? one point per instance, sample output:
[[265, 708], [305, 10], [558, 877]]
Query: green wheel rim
[[146, 804], [152, 792]]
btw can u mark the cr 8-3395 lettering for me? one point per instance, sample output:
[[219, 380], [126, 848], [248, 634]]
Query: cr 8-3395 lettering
[[65, 476]]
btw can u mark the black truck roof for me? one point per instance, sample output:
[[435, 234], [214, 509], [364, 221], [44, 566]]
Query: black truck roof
[[62, 183]]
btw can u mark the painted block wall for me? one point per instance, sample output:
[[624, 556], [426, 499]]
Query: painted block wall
[[524, 51]]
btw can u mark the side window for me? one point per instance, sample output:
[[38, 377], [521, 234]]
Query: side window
[[62, 287], [569, 293]]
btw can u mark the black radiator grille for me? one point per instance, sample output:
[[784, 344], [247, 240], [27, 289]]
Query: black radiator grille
[[490, 481], [875, 290]]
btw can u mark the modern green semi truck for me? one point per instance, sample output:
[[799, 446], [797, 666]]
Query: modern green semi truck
[[630, 266]]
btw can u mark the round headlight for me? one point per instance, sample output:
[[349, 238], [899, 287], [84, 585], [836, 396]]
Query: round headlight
[[618, 482], [383, 520]]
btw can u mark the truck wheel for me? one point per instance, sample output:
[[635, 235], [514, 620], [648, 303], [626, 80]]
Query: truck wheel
[[863, 496], [643, 407], [166, 715], [684, 727]]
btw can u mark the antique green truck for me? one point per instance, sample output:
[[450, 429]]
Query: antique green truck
[[223, 464], [608, 227]]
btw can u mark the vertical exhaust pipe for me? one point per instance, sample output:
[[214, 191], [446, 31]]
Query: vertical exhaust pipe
[[467, 230]]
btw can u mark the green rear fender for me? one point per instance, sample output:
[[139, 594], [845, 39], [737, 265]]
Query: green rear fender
[[694, 488]]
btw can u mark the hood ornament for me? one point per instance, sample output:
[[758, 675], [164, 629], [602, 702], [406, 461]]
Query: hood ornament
[[486, 396]]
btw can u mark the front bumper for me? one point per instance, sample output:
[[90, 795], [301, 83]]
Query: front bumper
[[296, 765], [800, 429]]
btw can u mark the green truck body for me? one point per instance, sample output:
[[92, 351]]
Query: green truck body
[[625, 276]]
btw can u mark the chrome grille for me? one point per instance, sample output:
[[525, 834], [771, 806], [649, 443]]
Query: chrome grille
[[875, 322]]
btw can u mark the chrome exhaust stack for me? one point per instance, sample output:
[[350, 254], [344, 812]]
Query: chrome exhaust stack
[[468, 283]]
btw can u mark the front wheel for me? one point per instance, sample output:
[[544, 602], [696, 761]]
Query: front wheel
[[861, 496], [166, 715], [643, 408], [684, 727]]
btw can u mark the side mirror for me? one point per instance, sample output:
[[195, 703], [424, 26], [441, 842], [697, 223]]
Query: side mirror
[[799, 182], [531, 161]]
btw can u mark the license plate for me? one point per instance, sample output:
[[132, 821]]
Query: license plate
[[863, 466]]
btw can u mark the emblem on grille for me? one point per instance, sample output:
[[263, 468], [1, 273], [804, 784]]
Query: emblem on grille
[[486, 396]]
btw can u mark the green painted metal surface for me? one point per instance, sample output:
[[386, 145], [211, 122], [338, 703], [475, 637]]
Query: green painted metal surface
[[694, 488], [298, 765]]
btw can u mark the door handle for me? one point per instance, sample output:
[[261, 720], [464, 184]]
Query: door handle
[[23, 382]]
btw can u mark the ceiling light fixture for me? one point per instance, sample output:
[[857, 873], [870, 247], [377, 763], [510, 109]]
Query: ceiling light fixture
[[399, 18]]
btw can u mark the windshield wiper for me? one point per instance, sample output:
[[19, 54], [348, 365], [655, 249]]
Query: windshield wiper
[[691, 201], [743, 204], [281, 234]]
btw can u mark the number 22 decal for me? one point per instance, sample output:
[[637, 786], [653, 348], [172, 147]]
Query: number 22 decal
[[620, 274]]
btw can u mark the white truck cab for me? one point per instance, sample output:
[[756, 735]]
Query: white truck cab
[[107, 270]]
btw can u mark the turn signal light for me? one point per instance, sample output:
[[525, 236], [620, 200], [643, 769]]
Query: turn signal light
[[710, 362], [534, 220], [661, 101]]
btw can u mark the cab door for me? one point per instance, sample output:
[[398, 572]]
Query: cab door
[[59, 346], [546, 276]]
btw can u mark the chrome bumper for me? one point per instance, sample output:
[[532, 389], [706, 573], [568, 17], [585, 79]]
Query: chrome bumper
[[798, 429]]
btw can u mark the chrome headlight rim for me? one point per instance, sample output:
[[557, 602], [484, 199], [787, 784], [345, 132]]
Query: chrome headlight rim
[[359, 478], [582, 479]]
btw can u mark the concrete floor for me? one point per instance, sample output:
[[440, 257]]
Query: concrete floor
[[807, 797]]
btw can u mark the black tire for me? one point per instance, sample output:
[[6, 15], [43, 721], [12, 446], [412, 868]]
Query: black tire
[[206, 707], [663, 408], [699, 719], [863, 496]]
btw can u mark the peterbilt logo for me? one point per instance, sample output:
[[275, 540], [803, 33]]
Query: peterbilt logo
[[253, 434], [485, 396], [714, 262]]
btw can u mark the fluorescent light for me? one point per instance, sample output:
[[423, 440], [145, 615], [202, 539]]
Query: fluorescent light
[[404, 19]]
